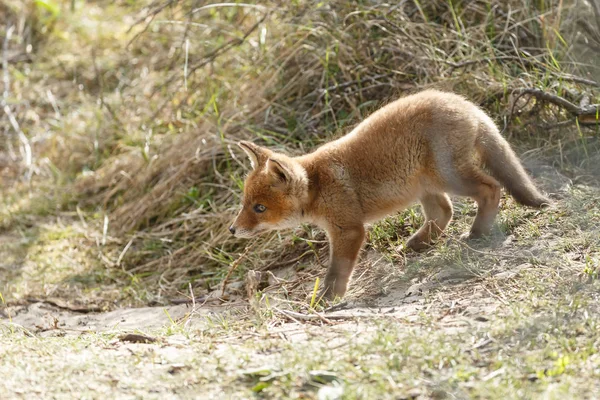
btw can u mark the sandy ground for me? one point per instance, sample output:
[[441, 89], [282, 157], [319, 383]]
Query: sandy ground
[[453, 300]]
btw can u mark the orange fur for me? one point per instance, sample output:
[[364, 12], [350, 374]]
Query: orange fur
[[418, 148]]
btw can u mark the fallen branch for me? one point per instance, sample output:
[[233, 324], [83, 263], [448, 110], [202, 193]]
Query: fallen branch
[[588, 114]]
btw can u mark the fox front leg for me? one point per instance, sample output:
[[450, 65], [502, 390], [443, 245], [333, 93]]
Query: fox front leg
[[345, 244]]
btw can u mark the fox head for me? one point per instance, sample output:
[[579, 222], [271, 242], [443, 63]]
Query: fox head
[[274, 193]]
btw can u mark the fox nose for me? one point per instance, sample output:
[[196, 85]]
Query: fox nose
[[232, 229]]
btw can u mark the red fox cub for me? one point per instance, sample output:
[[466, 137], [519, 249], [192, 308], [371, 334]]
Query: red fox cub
[[419, 148]]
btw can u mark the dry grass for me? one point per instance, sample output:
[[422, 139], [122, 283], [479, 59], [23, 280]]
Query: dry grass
[[132, 112], [516, 318]]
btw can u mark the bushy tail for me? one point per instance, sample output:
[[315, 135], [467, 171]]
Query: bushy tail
[[504, 165]]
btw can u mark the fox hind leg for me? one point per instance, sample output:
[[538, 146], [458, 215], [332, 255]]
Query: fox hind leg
[[438, 213], [485, 190]]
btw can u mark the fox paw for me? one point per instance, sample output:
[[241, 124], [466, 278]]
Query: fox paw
[[326, 293], [329, 292], [322, 298]]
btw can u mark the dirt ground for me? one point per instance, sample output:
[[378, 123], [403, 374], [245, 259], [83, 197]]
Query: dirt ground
[[512, 317], [119, 175]]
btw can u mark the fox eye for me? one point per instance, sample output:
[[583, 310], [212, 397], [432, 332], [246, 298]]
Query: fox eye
[[259, 208]]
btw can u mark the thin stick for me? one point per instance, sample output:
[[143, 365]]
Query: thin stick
[[586, 111], [577, 79], [150, 15], [487, 253], [100, 80], [559, 101], [185, 66], [210, 57], [304, 317], [120, 259], [256, 6], [13, 121], [327, 318], [5, 76], [189, 317], [234, 266], [104, 230]]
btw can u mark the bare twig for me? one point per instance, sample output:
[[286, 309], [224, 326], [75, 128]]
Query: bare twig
[[577, 79], [487, 253], [64, 305], [234, 266], [100, 80], [11, 117], [555, 125], [124, 251], [5, 76], [551, 98], [463, 64], [587, 115], [596, 7], [356, 82], [303, 317], [591, 109], [216, 5], [327, 318], [151, 15], [194, 309], [210, 57]]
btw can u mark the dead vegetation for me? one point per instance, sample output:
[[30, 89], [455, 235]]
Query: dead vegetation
[[130, 125], [120, 174]]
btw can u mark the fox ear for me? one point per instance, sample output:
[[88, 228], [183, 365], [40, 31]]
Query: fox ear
[[257, 155], [279, 170]]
